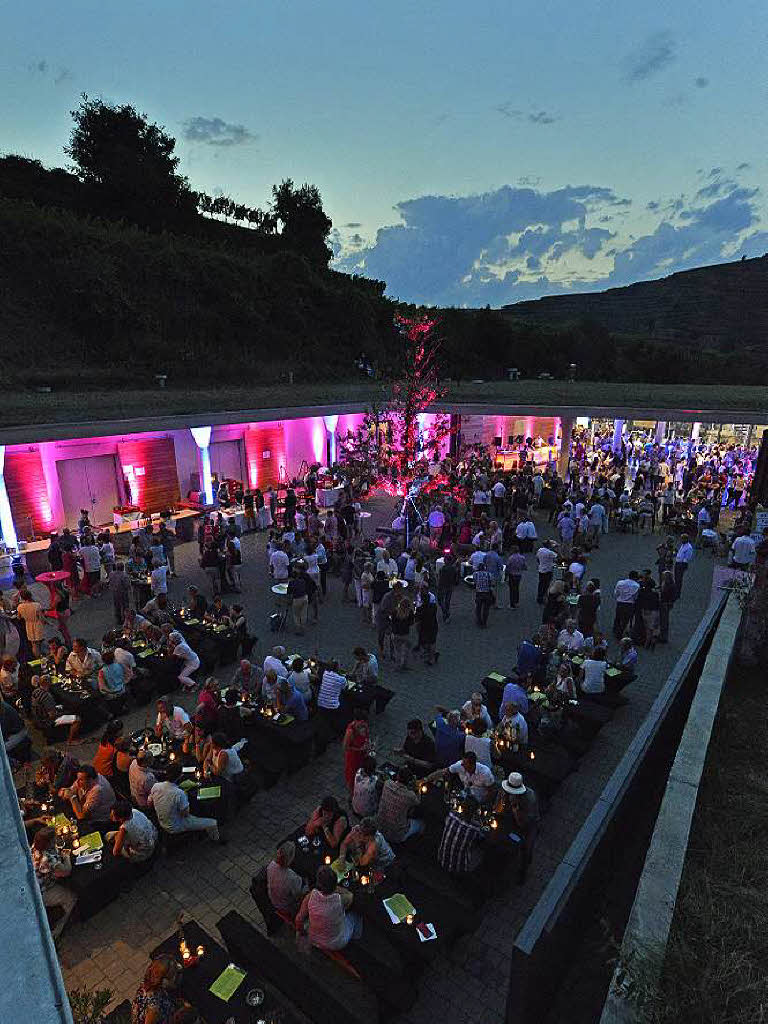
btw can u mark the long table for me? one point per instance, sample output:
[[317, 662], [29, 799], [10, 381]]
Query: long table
[[196, 983]]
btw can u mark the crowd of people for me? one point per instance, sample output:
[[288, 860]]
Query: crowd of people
[[475, 527]]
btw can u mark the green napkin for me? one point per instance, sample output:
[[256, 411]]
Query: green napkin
[[61, 821], [284, 719], [35, 663], [496, 676], [228, 982], [209, 793], [192, 622], [187, 784], [341, 868], [399, 905], [613, 672], [91, 843]]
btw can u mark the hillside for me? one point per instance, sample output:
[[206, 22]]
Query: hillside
[[724, 306]]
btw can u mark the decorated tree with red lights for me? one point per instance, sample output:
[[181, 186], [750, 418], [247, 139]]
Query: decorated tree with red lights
[[394, 444]]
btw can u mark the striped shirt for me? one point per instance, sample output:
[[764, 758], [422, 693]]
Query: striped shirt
[[482, 582], [459, 849]]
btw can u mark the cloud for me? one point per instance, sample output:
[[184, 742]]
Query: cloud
[[533, 116], [518, 243], [353, 224], [44, 70], [541, 117], [655, 54], [214, 131], [473, 249], [701, 82]]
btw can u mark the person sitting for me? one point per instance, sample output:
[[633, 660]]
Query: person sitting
[[299, 678], [83, 661], [136, 836], [9, 678], [365, 792], [328, 821], [158, 610], [179, 648], [111, 678], [474, 708], [15, 736], [418, 748], [245, 679], [171, 805], [332, 925], [449, 737], [515, 691], [365, 672], [518, 806], [564, 682], [513, 727], [196, 604], [398, 802], [569, 638], [291, 702], [476, 779], [106, 752], [285, 888], [593, 671], [478, 742], [51, 867], [218, 612], [276, 662], [57, 770], [460, 849], [56, 653], [228, 718], [155, 1003], [91, 796], [46, 713], [140, 778], [223, 761], [368, 846], [331, 686], [171, 719], [627, 663]]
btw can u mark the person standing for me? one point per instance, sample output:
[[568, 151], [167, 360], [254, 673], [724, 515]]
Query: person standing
[[426, 624], [31, 613], [682, 561], [499, 493], [625, 593], [447, 578], [63, 610], [355, 744], [667, 597], [546, 557], [483, 595], [516, 566]]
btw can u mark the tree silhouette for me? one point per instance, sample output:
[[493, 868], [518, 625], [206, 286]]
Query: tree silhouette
[[305, 225], [129, 164]]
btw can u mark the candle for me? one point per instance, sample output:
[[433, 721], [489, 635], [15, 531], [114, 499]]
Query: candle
[[327, 858], [423, 787], [364, 880], [494, 823], [200, 951], [533, 756], [409, 918], [172, 757]]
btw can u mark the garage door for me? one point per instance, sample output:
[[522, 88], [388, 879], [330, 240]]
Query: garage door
[[225, 460], [90, 484]]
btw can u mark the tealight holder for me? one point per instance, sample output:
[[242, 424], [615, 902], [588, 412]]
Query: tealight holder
[[327, 859], [409, 918], [423, 787], [494, 823]]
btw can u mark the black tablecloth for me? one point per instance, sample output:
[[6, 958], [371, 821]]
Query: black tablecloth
[[196, 983], [79, 699]]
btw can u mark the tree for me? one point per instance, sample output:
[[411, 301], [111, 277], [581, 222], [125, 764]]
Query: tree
[[304, 224], [129, 164], [394, 442]]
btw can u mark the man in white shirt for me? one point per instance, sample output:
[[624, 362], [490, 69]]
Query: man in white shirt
[[743, 552], [625, 593], [682, 561], [279, 563], [474, 776], [569, 638], [596, 519], [525, 531], [276, 662], [171, 719], [127, 660], [388, 566], [477, 559], [594, 673], [83, 661], [499, 493], [546, 557], [159, 579]]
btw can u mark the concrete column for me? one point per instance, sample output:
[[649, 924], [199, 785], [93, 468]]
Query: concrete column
[[618, 430], [661, 430], [202, 436], [695, 428], [567, 424]]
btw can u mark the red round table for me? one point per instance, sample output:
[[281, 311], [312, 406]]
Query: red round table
[[50, 579]]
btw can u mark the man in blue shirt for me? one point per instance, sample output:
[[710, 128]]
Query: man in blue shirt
[[528, 658], [291, 702], [449, 737], [517, 694]]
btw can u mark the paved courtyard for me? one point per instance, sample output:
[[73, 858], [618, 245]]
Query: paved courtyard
[[111, 949]]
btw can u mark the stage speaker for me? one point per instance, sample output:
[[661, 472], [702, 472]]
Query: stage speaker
[[511, 439], [497, 442]]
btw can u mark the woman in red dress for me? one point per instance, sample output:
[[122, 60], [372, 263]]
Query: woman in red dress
[[356, 743]]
